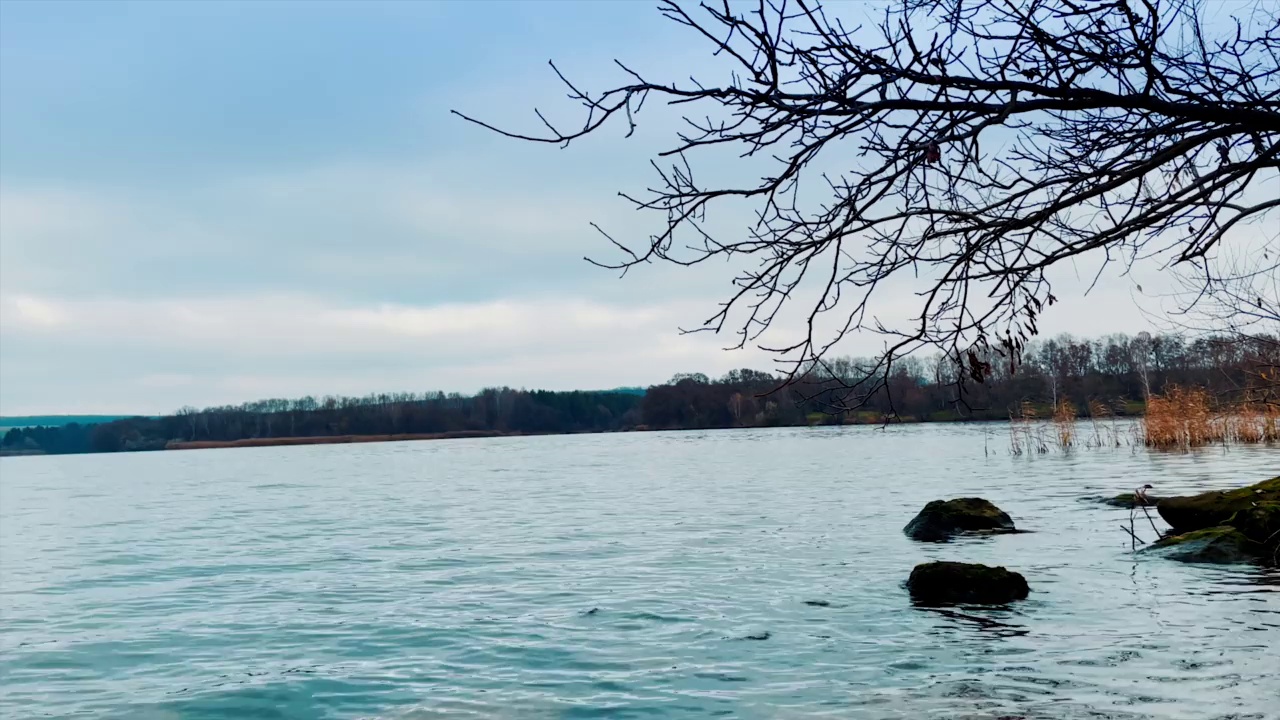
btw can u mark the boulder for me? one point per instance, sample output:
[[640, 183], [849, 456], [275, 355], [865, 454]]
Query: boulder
[[1260, 523], [1222, 544], [1224, 525], [1211, 509], [944, 583], [942, 519]]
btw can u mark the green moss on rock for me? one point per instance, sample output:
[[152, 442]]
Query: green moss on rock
[[1260, 523], [943, 583], [1222, 544], [942, 519], [1211, 509]]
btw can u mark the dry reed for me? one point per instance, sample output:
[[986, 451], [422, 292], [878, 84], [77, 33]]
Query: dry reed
[[1106, 432], [1025, 434], [1064, 422], [1185, 418], [1179, 419]]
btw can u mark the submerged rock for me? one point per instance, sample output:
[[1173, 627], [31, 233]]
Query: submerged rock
[[1128, 500], [952, 582], [1222, 544], [942, 519]]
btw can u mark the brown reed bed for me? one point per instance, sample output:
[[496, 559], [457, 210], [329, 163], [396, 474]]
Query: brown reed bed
[[1178, 419], [1186, 418]]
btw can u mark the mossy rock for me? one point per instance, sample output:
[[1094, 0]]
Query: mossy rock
[[942, 519], [1128, 500], [946, 583], [1211, 509], [1260, 523], [1222, 544]]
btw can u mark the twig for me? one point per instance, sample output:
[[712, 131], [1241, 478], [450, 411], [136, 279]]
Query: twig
[[1135, 537], [1153, 522]]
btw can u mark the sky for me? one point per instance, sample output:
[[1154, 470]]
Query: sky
[[208, 203]]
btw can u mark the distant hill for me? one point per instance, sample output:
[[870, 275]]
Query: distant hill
[[22, 421]]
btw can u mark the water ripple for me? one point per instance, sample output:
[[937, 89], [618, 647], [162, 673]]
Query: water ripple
[[745, 574]]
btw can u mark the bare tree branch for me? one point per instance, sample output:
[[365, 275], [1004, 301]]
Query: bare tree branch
[[1132, 129]]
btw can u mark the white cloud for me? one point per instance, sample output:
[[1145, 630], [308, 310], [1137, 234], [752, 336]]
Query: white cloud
[[34, 213], [481, 210], [154, 355], [356, 277], [409, 232], [25, 311], [278, 324], [350, 278]]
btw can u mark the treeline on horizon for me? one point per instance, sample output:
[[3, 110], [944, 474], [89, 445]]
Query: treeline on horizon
[[1116, 372]]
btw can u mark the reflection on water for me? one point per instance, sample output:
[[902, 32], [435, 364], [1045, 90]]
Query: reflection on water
[[746, 574], [988, 623]]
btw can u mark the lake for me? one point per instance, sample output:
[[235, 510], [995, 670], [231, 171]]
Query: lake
[[745, 574]]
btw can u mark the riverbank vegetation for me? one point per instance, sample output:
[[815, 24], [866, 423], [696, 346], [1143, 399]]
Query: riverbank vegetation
[[1191, 417], [1177, 419], [1109, 378]]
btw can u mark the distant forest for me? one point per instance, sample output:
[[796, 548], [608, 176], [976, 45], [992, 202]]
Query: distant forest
[[56, 420], [1116, 373]]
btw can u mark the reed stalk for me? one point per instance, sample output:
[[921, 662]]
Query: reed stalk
[[1064, 423]]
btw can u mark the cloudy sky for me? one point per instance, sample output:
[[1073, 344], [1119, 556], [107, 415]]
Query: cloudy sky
[[204, 203]]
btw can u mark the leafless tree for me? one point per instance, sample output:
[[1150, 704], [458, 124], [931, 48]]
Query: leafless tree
[[192, 417], [1237, 303], [962, 147]]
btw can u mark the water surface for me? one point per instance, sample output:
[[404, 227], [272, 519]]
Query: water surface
[[747, 574]]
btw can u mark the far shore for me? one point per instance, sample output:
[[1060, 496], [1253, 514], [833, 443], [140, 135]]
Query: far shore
[[466, 434], [328, 440], [863, 419]]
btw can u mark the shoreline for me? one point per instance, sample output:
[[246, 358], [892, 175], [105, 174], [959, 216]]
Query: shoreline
[[330, 440], [350, 439], [480, 434]]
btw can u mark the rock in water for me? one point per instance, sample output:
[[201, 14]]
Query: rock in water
[[1128, 500], [1224, 526], [942, 583], [1211, 509], [1261, 524], [1222, 544], [941, 519]]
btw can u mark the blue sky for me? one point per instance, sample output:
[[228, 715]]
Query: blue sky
[[212, 202]]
